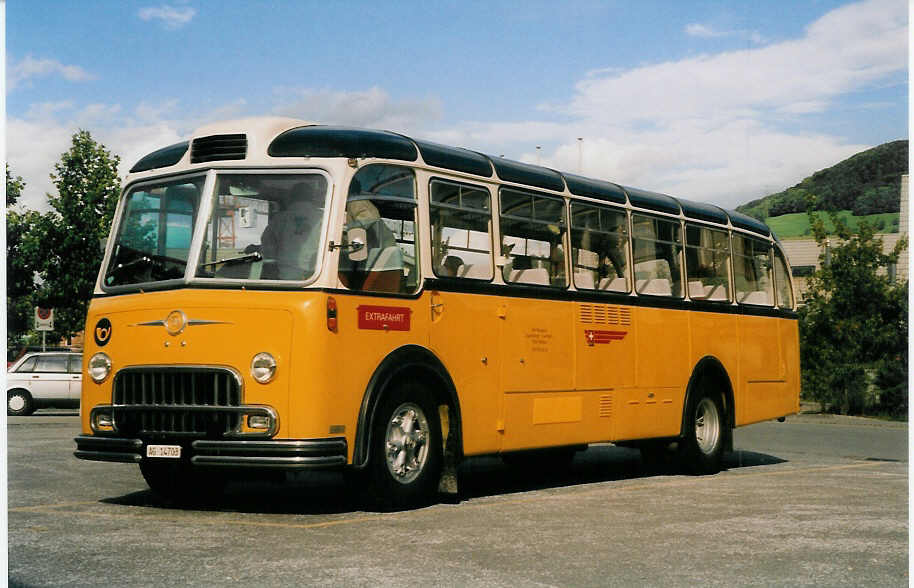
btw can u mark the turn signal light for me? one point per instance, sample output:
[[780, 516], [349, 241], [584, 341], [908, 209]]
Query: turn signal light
[[331, 314]]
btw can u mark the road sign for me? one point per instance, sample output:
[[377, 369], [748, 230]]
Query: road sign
[[44, 319]]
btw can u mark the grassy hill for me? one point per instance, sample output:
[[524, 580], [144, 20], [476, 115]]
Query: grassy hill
[[796, 225], [863, 185]]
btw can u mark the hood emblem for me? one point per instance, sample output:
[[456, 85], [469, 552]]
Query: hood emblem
[[177, 321]]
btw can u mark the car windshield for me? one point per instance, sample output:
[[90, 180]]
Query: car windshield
[[154, 236], [264, 227]]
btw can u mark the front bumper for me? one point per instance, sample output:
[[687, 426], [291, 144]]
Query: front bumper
[[300, 454]]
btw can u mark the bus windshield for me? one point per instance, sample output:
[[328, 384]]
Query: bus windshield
[[154, 236], [262, 226]]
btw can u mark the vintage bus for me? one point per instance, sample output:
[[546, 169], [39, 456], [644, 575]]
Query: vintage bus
[[279, 295]]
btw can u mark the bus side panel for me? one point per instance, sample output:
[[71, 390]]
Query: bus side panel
[[715, 335], [541, 407], [790, 346], [359, 346], [763, 371], [464, 335], [654, 407]]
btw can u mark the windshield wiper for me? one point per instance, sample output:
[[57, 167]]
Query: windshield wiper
[[255, 256]]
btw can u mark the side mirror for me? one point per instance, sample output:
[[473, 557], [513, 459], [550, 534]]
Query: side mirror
[[357, 238]]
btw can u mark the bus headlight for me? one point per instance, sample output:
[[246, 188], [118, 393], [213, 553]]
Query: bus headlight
[[263, 367], [99, 367]]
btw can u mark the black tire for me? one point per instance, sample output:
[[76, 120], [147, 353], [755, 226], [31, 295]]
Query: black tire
[[406, 452], [19, 403], [178, 482], [702, 447]]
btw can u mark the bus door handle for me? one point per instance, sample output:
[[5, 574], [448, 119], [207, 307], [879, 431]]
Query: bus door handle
[[437, 307]]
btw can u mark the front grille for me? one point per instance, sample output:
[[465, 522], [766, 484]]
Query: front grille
[[219, 148], [198, 401]]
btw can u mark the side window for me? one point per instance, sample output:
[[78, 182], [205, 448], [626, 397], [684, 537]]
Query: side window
[[76, 364], [752, 271], [782, 279], [56, 364], [657, 248], [460, 217], [28, 365], [599, 248], [532, 230], [707, 263], [381, 215]]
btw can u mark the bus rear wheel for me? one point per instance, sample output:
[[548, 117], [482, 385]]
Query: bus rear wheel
[[702, 447], [406, 449]]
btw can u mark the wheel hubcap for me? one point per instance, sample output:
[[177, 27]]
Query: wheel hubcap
[[407, 443], [707, 425], [17, 403]]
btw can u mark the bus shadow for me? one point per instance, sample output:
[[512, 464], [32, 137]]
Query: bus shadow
[[324, 493]]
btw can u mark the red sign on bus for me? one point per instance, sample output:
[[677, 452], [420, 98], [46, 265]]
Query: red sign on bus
[[386, 318]]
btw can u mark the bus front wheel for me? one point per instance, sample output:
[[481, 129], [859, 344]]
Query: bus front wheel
[[406, 453], [702, 447]]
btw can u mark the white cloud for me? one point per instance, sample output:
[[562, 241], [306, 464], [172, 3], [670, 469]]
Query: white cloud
[[171, 17], [369, 108], [708, 32], [29, 68], [716, 127]]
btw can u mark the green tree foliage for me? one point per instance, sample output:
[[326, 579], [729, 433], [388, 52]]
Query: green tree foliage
[[873, 175], [853, 325], [24, 237], [87, 191]]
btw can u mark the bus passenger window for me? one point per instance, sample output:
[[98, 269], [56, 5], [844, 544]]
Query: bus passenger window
[[599, 248], [657, 249], [752, 270], [532, 231], [382, 202], [461, 223], [707, 263], [782, 279]]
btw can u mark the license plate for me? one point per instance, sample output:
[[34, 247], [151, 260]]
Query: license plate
[[172, 451]]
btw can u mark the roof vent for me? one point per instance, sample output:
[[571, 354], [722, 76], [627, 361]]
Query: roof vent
[[218, 148]]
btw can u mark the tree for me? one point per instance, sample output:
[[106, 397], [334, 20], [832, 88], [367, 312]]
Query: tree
[[87, 191], [853, 325], [24, 237]]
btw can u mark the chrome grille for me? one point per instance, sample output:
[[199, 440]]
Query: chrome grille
[[198, 401]]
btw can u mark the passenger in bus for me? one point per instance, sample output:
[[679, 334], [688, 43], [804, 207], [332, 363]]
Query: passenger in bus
[[290, 240], [382, 271], [450, 267]]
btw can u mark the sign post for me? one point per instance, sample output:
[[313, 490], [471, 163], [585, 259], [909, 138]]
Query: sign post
[[44, 322]]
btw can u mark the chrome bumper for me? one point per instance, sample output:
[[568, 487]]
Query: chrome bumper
[[287, 454]]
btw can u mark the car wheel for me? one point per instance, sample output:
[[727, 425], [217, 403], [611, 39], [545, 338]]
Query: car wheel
[[703, 445], [406, 449], [181, 483], [19, 403]]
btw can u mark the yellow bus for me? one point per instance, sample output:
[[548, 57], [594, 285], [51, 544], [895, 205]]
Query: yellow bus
[[279, 295]]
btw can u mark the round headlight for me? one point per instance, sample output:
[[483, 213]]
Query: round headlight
[[99, 367], [263, 367]]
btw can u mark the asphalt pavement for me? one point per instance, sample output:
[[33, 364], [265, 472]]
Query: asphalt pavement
[[816, 500]]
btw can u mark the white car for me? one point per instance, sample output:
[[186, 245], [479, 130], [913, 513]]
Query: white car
[[44, 379]]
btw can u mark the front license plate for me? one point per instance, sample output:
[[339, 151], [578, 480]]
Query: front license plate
[[172, 451]]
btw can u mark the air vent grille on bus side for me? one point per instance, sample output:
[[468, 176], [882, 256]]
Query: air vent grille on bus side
[[218, 148], [602, 314]]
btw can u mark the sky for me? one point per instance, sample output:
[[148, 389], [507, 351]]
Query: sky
[[718, 101]]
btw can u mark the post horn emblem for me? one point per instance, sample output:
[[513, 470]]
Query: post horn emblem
[[175, 322]]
